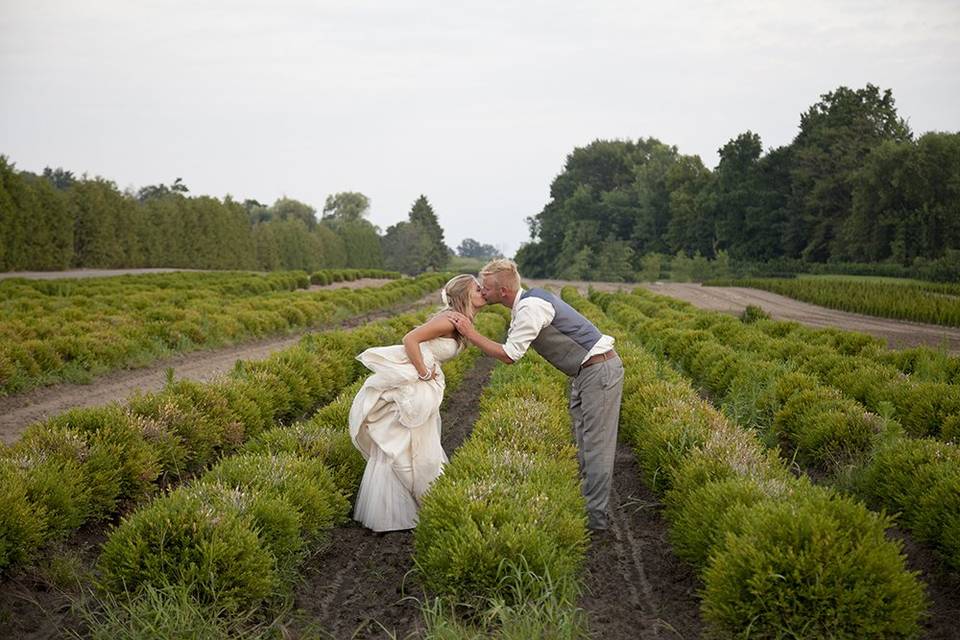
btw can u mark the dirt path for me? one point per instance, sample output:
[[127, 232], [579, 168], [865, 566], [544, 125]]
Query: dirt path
[[898, 333], [360, 585], [634, 585], [21, 410]]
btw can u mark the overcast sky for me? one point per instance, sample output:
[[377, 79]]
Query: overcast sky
[[476, 105]]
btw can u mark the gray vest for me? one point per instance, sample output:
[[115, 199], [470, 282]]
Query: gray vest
[[565, 342]]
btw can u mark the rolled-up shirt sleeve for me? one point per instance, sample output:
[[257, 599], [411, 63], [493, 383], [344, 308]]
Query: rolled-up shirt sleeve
[[530, 316]]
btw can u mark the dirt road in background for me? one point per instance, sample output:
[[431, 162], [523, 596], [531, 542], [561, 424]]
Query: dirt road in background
[[899, 334]]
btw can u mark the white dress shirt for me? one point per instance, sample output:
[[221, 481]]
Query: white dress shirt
[[528, 317]]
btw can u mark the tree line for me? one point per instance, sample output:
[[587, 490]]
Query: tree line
[[854, 186], [55, 220]]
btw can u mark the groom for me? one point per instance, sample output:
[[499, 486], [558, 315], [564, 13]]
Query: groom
[[571, 343]]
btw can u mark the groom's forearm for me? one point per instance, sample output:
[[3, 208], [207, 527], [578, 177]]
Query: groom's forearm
[[489, 347]]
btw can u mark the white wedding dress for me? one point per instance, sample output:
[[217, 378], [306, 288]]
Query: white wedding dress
[[395, 423]]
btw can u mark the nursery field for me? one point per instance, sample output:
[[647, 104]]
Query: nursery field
[[73, 329], [734, 299], [772, 481], [904, 299]]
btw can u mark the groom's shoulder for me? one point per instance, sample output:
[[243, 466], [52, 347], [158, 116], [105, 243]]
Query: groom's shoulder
[[537, 293], [536, 298]]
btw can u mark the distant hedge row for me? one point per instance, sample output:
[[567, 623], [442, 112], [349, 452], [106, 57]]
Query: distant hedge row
[[779, 556]]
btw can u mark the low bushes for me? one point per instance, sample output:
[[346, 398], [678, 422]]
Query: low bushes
[[235, 538], [85, 464], [779, 557], [507, 517], [831, 432], [73, 331], [921, 480], [329, 276]]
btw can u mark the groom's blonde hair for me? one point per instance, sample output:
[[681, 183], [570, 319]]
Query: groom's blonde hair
[[504, 272]]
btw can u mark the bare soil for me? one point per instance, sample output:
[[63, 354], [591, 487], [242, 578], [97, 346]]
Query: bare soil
[[19, 411], [634, 585], [899, 334]]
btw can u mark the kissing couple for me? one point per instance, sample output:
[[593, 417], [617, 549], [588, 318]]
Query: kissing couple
[[395, 416]]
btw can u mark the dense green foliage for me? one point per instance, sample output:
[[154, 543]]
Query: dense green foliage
[[83, 465], [809, 391], [920, 302], [234, 539], [416, 244], [72, 329], [779, 557], [853, 186], [56, 221], [504, 528]]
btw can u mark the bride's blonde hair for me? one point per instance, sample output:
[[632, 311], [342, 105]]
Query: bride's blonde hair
[[455, 296]]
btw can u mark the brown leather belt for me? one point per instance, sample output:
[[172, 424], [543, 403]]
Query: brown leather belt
[[600, 357]]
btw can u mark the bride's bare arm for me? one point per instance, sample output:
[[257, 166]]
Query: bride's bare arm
[[433, 328]]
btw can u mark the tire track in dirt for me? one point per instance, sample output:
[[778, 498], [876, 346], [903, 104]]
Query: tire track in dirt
[[634, 558], [898, 333], [360, 585], [19, 411]]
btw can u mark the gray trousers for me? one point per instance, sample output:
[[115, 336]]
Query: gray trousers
[[595, 408]]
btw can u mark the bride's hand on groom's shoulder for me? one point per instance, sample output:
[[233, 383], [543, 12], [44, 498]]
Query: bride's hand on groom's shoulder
[[461, 322]]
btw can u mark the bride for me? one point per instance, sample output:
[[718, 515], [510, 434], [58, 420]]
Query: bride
[[395, 416]]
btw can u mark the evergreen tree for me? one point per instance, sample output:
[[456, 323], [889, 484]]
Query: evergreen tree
[[406, 248], [422, 215]]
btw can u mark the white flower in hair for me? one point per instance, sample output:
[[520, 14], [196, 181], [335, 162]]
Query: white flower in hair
[[444, 298]]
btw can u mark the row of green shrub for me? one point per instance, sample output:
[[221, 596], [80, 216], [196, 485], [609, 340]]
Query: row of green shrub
[[234, 539], [329, 276], [779, 556], [852, 363], [865, 453], [86, 464], [505, 526], [920, 363], [79, 337], [232, 283], [931, 303]]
